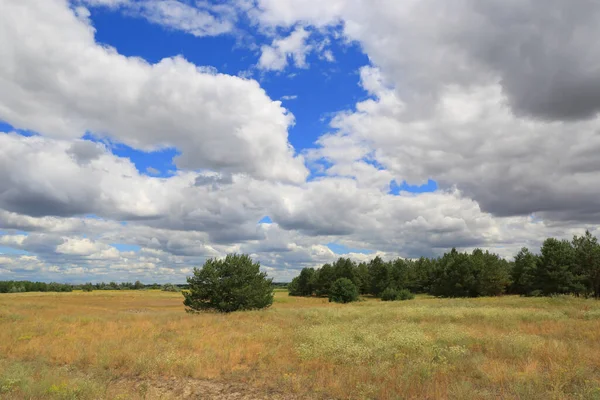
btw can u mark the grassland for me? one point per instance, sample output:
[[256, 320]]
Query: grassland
[[141, 344]]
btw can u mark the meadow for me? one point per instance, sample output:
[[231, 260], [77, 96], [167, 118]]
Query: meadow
[[141, 344]]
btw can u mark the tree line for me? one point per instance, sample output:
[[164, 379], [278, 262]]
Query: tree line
[[28, 286], [560, 267]]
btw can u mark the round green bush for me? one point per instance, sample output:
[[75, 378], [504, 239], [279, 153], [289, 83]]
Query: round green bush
[[389, 294], [405, 294], [343, 291]]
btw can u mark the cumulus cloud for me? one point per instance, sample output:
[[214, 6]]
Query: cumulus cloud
[[472, 140], [491, 97], [180, 221], [495, 101], [219, 122], [203, 19], [45, 179], [275, 57], [80, 246], [198, 19], [542, 57]]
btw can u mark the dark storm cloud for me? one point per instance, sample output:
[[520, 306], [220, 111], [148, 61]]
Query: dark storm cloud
[[546, 54]]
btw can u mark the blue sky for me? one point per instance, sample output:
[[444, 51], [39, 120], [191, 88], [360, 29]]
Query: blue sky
[[318, 91], [140, 137], [313, 94]]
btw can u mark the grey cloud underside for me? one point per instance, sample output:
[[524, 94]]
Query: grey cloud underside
[[544, 56], [84, 151]]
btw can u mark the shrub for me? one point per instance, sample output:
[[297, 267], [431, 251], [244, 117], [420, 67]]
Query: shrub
[[232, 284], [389, 294], [169, 287], [88, 287], [405, 294], [343, 291]]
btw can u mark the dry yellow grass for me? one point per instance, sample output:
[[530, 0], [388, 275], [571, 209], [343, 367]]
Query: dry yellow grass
[[119, 344]]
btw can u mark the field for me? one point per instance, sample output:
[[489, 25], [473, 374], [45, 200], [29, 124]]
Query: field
[[141, 344]]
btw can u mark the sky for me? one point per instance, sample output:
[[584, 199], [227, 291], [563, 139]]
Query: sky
[[139, 138]]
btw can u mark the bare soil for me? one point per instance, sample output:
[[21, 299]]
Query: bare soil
[[178, 388]]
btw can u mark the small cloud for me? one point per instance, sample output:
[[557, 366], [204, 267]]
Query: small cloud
[[328, 55], [152, 171], [246, 74], [290, 97], [275, 57]]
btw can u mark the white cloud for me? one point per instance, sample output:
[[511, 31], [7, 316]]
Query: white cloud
[[199, 20], [541, 56], [442, 106], [80, 247], [218, 121], [471, 139], [275, 57], [177, 222]]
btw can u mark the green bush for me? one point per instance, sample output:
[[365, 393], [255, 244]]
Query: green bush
[[405, 294], [389, 294], [343, 291], [232, 284], [169, 287]]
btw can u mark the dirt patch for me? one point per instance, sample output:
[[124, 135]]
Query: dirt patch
[[178, 388]]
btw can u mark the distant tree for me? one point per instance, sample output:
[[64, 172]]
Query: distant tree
[[294, 287], [523, 273], [169, 287], [587, 263], [400, 273], [362, 271], [554, 272], [88, 287], [491, 272], [343, 290], [306, 281], [454, 276], [324, 278], [379, 272], [346, 268], [138, 285], [303, 284], [424, 275], [231, 284], [16, 289]]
